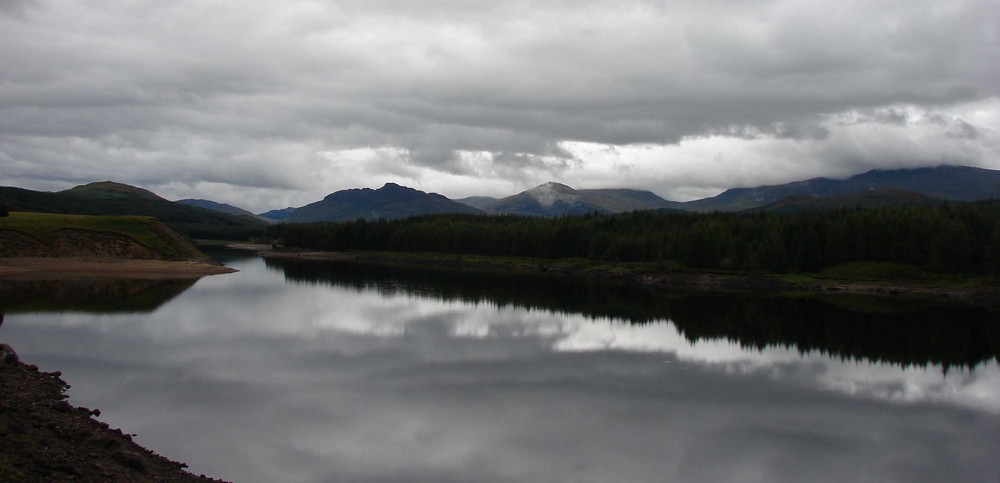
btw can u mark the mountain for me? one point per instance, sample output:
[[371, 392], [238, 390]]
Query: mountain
[[278, 215], [223, 208], [620, 200], [110, 198], [549, 199], [555, 199], [388, 202], [478, 202], [958, 183]]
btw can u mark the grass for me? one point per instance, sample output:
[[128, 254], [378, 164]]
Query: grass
[[43, 226], [875, 271]]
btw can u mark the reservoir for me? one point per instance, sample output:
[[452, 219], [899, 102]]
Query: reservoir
[[305, 371]]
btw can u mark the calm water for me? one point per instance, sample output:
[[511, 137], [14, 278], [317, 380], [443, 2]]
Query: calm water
[[329, 372]]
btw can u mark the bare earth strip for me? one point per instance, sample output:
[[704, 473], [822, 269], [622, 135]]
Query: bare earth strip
[[84, 268]]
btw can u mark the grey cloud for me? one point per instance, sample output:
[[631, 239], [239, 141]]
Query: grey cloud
[[513, 79], [963, 130], [18, 8]]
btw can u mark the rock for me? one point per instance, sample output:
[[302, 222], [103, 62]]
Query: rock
[[130, 459], [7, 354]]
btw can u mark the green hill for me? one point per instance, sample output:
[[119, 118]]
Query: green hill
[[109, 198], [58, 235]]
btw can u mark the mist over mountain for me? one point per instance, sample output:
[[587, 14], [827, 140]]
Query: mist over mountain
[[556, 199]]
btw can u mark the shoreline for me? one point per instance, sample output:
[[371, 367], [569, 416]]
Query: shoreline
[[647, 275], [45, 438], [38, 268]]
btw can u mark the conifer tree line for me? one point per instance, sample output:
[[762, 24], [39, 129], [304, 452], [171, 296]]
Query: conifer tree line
[[945, 238]]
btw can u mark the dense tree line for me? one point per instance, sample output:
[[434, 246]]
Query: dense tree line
[[946, 238]]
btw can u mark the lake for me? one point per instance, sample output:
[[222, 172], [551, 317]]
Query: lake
[[331, 371]]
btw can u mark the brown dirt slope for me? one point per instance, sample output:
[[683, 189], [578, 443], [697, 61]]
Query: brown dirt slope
[[44, 438]]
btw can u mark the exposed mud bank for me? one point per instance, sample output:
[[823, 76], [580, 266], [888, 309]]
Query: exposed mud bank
[[44, 438]]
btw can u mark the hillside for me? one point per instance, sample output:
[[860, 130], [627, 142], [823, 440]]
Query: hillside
[[223, 208], [866, 199], [389, 202], [957, 183], [277, 215], [109, 198], [478, 202], [42, 235]]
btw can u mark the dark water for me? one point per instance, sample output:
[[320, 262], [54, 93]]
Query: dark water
[[291, 371]]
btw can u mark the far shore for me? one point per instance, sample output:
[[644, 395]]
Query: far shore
[[86, 268], [648, 276]]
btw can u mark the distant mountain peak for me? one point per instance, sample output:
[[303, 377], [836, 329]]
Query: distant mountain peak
[[550, 193]]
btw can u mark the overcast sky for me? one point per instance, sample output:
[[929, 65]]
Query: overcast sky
[[267, 104]]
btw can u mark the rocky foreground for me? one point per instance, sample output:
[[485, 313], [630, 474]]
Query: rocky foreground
[[44, 438]]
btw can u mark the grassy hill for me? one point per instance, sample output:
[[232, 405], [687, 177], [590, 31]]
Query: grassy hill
[[109, 198], [54, 235]]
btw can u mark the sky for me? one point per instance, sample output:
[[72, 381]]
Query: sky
[[266, 104]]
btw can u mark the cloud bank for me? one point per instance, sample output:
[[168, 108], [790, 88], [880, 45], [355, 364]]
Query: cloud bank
[[266, 104]]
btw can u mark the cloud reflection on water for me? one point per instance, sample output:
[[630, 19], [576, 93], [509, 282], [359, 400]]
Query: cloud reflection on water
[[249, 378]]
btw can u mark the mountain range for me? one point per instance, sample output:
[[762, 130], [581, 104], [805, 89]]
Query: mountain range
[[205, 218], [957, 183], [871, 189]]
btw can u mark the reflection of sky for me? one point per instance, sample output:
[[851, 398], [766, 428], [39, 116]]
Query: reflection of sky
[[248, 378]]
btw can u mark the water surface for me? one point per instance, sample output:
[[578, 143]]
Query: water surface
[[291, 371]]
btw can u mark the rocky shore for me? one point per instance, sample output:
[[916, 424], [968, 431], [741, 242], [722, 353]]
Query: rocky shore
[[44, 438]]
